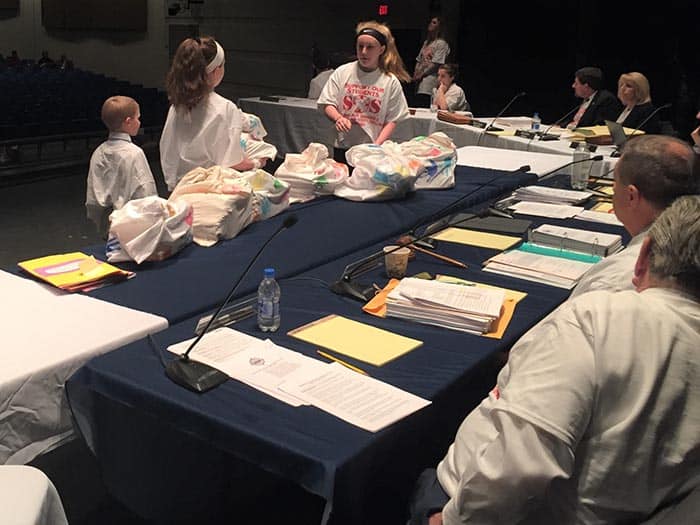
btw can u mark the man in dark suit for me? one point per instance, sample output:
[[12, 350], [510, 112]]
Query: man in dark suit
[[598, 104]]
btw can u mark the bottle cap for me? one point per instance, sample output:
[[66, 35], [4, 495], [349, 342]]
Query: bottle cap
[[269, 272]]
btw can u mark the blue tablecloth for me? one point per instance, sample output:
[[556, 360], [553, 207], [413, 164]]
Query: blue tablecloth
[[196, 279]]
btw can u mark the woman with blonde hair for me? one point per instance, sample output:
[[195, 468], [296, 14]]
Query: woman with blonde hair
[[364, 98], [634, 93], [203, 128]]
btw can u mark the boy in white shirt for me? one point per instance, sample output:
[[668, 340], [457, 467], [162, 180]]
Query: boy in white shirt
[[119, 171]]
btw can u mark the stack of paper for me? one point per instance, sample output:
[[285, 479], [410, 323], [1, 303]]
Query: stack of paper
[[583, 241], [465, 308], [551, 195], [74, 271], [562, 272]]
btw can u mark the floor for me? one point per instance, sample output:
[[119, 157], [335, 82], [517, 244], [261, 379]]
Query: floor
[[42, 213]]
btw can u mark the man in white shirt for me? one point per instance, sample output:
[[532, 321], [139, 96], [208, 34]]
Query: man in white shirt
[[119, 171], [595, 417], [652, 172]]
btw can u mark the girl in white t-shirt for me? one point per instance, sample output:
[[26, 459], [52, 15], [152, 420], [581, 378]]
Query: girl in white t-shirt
[[448, 95], [433, 53], [203, 128], [364, 98]]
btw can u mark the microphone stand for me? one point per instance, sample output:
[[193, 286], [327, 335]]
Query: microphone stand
[[345, 286], [543, 134], [197, 376], [491, 127], [553, 172]]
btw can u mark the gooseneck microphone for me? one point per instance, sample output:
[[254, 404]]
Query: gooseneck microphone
[[544, 136], [553, 172], [491, 127], [345, 286], [197, 376], [665, 106]]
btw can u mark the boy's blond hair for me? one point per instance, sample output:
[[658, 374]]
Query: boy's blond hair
[[115, 111]]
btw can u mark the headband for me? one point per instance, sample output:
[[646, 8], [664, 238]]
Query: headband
[[218, 58], [373, 33]]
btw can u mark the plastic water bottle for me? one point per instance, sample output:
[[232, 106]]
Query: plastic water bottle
[[536, 121], [581, 169], [269, 302]]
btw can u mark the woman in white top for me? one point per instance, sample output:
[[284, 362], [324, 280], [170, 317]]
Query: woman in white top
[[432, 54], [203, 128], [449, 96], [365, 98]]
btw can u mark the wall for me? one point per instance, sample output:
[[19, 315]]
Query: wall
[[141, 58]]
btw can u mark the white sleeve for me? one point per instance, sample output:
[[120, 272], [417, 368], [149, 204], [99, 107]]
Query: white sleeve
[[523, 436], [397, 108], [509, 474], [329, 93], [252, 125], [145, 183], [440, 51], [168, 156]]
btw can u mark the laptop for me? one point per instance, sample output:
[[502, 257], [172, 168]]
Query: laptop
[[617, 133]]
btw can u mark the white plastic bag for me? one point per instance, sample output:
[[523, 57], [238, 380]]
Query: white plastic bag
[[257, 149], [380, 173], [148, 229], [224, 201], [311, 173], [438, 154]]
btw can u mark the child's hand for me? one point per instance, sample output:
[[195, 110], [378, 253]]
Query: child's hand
[[695, 135]]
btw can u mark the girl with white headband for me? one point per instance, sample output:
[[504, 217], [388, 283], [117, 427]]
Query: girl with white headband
[[203, 128], [364, 98]]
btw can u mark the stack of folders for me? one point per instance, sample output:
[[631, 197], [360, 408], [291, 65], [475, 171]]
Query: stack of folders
[[466, 308], [550, 266], [551, 195], [582, 241]]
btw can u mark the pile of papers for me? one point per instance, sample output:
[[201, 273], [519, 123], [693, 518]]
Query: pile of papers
[[299, 380], [562, 272], [466, 308], [551, 195], [74, 271], [584, 241]]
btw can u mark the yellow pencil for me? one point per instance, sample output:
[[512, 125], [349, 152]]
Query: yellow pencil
[[340, 361]]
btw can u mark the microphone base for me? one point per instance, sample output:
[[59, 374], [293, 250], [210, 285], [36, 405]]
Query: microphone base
[[193, 375], [354, 291], [549, 137]]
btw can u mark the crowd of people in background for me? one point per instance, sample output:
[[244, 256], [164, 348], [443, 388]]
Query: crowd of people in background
[[14, 62]]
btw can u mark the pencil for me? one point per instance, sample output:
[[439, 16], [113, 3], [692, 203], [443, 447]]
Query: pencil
[[340, 361], [438, 256]]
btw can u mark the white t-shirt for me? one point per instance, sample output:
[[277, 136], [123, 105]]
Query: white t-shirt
[[614, 273], [594, 419], [318, 82], [455, 99], [118, 173], [434, 52], [369, 100], [209, 135]]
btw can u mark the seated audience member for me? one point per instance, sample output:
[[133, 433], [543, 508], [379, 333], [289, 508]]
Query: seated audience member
[[323, 71], [448, 95], [119, 171], [652, 171], [598, 104], [45, 60], [633, 91], [593, 418], [203, 129], [695, 135]]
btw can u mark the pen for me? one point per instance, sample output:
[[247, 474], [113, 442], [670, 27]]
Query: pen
[[339, 361], [438, 256]]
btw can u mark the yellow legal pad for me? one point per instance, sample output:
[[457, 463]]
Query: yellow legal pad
[[475, 238], [357, 340]]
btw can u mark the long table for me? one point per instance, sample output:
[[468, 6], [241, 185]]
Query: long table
[[137, 421], [292, 123], [197, 279]]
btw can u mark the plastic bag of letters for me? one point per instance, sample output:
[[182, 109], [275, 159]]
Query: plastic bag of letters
[[311, 173], [438, 155]]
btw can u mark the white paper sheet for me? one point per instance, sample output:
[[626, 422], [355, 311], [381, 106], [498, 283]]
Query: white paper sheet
[[355, 398], [541, 209]]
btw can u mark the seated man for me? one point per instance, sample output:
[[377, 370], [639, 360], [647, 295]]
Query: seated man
[[652, 172], [594, 419], [598, 104]]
